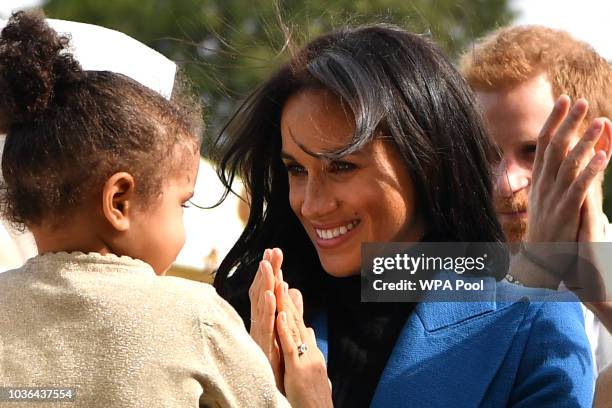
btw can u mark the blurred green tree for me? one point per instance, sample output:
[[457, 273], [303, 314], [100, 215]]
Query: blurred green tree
[[228, 46]]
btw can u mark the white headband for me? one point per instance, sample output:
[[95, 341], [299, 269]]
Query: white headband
[[101, 49]]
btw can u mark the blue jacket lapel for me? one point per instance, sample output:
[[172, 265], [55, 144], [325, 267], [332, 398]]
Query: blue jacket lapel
[[441, 345]]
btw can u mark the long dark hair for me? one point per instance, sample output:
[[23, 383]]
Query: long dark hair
[[393, 81]]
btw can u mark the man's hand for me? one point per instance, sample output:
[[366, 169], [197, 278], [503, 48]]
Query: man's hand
[[562, 177], [560, 208]]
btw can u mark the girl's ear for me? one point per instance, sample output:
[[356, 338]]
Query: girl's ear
[[117, 200], [605, 140]]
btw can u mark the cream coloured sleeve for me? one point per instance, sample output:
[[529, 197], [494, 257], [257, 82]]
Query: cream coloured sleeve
[[240, 373]]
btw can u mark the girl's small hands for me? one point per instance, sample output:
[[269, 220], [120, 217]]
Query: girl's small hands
[[306, 382]]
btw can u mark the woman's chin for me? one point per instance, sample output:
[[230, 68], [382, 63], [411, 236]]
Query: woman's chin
[[340, 269]]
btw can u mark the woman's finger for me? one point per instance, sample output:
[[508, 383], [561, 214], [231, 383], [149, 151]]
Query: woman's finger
[[298, 302], [278, 292], [254, 295], [312, 342], [263, 281], [275, 256], [288, 344], [293, 317], [276, 259], [267, 276], [312, 335], [580, 155], [267, 279], [295, 313], [551, 125], [267, 318], [271, 256], [257, 322], [254, 288], [267, 254]]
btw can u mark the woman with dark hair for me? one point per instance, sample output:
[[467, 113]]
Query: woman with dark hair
[[371, 135]]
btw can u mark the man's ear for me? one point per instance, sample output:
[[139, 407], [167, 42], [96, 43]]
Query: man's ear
[[118, 199], [605, 140]]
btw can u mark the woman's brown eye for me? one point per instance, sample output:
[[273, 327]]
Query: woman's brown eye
[[295, 169], [342, 166]]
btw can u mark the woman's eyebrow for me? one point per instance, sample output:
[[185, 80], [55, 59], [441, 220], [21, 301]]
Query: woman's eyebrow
[[302, 147], [357, 153], [309, 152], [287, 156]]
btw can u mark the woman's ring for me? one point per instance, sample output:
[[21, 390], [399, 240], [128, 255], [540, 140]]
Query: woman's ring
[[301, 349]]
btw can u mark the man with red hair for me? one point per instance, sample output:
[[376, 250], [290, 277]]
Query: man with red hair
[[518, 74]]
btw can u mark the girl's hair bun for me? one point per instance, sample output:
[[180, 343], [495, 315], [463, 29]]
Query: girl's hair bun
[[34, 67]]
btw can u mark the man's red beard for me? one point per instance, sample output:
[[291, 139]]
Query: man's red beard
[[514, 228]]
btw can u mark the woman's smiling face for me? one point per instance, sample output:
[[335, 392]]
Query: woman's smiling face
[[363, 197]]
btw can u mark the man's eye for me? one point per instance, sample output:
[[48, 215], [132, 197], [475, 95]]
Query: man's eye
[[529, 149]]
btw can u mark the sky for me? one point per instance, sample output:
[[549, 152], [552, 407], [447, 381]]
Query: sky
[[588, 20], [6, 6]]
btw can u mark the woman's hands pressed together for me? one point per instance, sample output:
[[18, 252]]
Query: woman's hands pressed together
[[291, 348]]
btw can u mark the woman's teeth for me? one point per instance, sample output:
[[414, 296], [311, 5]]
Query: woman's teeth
[[336, 232]]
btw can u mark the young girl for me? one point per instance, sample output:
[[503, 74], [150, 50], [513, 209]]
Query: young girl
[[99, 168]]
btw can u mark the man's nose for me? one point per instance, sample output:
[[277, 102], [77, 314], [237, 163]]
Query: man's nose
[[511, 178]]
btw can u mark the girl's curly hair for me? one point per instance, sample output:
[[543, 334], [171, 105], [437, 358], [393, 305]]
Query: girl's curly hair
[[68, 129]]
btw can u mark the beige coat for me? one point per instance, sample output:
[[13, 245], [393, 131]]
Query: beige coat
[[124, 337]]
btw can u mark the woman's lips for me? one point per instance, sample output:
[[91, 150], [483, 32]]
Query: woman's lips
[[331, 236]]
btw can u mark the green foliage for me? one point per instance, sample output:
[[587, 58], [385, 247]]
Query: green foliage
[[228, 46]]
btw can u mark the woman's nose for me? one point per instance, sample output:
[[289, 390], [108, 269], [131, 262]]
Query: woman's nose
[[319, 199]]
